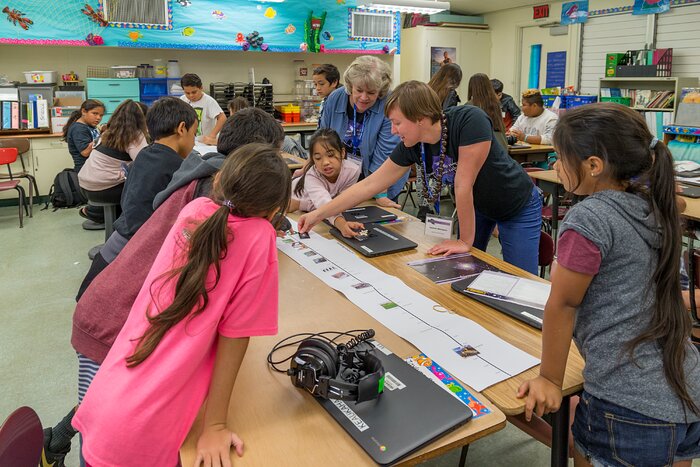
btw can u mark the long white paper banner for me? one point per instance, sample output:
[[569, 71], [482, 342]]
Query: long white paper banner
[[468, 351]]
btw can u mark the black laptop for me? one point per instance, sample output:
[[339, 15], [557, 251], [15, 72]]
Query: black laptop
[[368, 215], [690, 191], [526, 314], [411, 412], [379, 241]]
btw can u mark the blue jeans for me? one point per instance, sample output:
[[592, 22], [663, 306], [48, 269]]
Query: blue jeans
[[610, 435], [519, 235]]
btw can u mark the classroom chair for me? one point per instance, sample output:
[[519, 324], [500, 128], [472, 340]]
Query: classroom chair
[[547, 211], [546, 252], [21, 439], [7, 157], [410, 188], [110, 212], [22, 146]]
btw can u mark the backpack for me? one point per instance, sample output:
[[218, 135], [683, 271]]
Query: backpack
[[65, 191]]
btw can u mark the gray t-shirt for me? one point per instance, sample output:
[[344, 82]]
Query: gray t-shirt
[[617, 308]]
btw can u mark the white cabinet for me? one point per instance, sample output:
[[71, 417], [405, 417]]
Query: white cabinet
[[49, 156], [473, 52]]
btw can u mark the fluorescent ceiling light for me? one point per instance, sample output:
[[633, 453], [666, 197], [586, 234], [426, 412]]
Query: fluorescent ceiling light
[[426, 7]]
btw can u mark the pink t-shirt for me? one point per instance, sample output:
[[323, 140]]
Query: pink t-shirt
[[140, 416], [319, 191]]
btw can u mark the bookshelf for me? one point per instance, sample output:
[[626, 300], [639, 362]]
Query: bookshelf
[[671, 83]]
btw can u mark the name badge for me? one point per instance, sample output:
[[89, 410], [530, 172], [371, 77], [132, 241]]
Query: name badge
[[438, 226]]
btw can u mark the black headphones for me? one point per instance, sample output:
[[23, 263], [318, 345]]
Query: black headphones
[[345, 372]]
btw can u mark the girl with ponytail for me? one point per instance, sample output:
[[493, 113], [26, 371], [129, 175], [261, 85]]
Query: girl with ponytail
[[616, 290], [212, 286]]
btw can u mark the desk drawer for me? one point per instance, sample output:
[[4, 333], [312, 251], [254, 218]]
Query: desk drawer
[[111, 104], [99, 88]]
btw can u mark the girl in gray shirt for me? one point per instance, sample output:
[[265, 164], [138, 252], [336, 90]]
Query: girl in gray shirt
[[616, 291]]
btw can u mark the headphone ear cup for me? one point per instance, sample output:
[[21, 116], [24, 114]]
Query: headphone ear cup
[[324, 351]]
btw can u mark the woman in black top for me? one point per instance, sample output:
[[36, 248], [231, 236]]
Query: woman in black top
[[456, 147]]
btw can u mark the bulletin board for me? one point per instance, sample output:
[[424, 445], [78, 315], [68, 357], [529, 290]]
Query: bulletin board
[[249, 25]]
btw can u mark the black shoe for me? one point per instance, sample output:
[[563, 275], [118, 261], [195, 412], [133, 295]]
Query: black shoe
[[55, 456]]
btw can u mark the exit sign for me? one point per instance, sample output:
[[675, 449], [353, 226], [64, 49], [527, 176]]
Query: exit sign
[[540, 11]]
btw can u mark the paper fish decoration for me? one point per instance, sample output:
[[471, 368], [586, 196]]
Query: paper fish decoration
[[135, 36], [303, 47], [327, 35], [188, 31], [218, 14], [270, 13], [290, 29], [184, 3]]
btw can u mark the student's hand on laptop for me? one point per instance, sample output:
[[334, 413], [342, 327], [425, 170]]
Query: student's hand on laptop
[[450, 247], [387, 203], [541, 396], [214, 446], [348, 229]]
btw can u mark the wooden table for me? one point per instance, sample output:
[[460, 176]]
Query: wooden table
[[268, 411], [535, 153], [302, 128], [293, 162], [515, 332], [691, 214], [281, 424]]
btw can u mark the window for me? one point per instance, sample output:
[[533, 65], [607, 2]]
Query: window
[[373, 26], [151, 14]]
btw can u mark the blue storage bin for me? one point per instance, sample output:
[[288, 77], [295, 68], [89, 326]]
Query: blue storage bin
[[548, 100], [569, 102], [153, 87]]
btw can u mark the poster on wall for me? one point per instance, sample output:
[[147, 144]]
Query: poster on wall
[[556, 69], [440, 56], [574, 12], [650, 7]]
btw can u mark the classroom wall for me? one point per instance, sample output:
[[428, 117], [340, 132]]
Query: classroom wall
[[505, 29], [210, 65], [473, 52]]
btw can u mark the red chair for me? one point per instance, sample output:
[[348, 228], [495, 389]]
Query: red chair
[[546, 253], [21, 439], [22, 145], [7, 157], [547, 210]]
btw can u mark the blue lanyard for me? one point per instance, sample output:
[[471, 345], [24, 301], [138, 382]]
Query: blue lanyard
[[356, 141], [427, 179]]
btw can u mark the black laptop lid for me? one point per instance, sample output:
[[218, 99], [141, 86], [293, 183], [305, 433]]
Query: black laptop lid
[[380, 241], [526, 314], [368, 215], [411, 412]]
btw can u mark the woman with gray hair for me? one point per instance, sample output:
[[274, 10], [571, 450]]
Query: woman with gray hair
[[356, 113]]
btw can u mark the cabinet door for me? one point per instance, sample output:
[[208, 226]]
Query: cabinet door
[[50, 156]]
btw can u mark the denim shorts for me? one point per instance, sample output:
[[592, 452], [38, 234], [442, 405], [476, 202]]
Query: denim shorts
[[610, 435]]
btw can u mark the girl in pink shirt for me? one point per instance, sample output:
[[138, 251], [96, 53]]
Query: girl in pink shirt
[[325, 176], [211, 287]]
